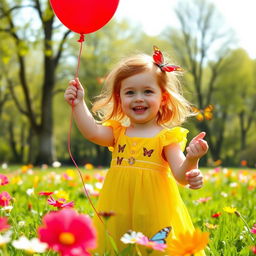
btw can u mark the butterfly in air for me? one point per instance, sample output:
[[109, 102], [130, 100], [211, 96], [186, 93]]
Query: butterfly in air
[[204, 114], [160, 236], [159, 61]]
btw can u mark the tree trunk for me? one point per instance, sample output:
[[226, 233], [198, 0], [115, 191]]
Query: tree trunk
[[46, 153], [13, 144]]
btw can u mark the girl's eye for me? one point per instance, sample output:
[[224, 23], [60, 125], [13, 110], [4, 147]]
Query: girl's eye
[[148, 92], [129, 93]]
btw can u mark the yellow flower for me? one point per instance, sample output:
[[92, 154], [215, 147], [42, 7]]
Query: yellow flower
[[229, 209], [88, 166], [24, 168], [62, 194], [71, 173], [210, 226], [36, 181], [186, 244], [16, 180]]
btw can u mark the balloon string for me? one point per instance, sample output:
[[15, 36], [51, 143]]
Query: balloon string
[[78, 169], [81, 40]]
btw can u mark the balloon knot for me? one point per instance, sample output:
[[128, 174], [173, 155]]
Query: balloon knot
[[81, 39]]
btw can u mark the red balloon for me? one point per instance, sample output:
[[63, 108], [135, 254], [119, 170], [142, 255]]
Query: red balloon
[[84, 16]]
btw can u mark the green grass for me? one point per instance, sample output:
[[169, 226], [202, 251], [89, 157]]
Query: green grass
[[233, 187]]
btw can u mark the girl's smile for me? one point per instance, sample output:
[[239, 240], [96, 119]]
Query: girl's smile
[[141, 97]]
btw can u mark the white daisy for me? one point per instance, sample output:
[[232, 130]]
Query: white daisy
[[30, 191], [56, 164], [5, 238], [131, 237], [30, 246]]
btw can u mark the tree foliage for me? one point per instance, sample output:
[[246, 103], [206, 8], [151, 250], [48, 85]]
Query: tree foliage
[[38, 57]]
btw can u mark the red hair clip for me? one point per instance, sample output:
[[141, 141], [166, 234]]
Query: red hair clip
[[159, 61]]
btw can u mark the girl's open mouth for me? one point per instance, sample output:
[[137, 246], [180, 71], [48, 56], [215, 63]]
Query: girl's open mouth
[[139, 109]]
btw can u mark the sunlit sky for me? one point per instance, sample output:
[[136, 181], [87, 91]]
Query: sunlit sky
[[155, 15]]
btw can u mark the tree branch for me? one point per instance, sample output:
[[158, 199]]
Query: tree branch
[[15, 98], [60, 48]]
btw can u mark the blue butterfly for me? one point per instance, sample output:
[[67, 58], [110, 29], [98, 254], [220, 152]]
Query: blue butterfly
[[160, 236]]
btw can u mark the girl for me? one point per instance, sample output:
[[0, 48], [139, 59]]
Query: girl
[[140, 100]]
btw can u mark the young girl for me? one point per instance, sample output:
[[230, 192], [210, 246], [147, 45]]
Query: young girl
[[140, 100]]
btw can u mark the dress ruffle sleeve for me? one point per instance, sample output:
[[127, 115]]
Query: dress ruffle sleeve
[[117, 128], [175, 135]]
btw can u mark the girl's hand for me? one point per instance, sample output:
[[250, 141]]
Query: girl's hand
[[74, 94], [197, 147], [194, 178]]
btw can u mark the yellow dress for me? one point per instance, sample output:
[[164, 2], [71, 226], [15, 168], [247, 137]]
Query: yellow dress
[[140, 189]]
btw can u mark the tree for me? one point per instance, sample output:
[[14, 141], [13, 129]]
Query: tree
[[24, 38], [201, 45], [239, 81]]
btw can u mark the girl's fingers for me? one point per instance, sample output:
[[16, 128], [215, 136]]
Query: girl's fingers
[[193, 173], [203, 144], [195, 187], [72, 83], [78, 84], [201, 135]]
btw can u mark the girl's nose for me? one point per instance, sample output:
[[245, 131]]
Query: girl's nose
[[139, 98]]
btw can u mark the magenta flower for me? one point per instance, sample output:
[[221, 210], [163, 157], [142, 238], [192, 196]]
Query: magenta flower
[[59, 203], [151, 244], [68, 233], [4, 224], [3, 180], [253, 230], [4, 198]]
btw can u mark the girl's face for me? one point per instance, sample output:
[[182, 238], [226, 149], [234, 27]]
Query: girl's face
[[141, 98]]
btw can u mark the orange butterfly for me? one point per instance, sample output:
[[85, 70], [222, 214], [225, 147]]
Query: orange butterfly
[[205, 113]]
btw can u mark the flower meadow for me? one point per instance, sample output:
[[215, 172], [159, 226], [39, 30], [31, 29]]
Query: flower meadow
[[44, 211]]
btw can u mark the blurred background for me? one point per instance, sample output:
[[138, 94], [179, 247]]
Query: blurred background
[[212, 40]]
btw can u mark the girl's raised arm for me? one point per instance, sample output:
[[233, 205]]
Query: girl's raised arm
[[87, 125], [181, 164]]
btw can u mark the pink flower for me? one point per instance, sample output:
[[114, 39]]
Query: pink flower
[[4, 198], [4, 224], [151, 244], [3, 180], [253, 230], [203, 199], [59, 203], [68, 233], [253, 249]]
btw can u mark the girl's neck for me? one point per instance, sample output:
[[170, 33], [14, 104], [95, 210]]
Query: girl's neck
[[149, 129]]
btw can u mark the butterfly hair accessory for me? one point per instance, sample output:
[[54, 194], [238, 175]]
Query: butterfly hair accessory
[[159, 61]]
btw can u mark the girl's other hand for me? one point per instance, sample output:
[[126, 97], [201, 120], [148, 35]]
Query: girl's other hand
[[198, 147], [194, 178], [74, 94]]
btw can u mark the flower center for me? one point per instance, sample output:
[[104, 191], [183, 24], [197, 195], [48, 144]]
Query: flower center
[[67, 238], [4, 198]]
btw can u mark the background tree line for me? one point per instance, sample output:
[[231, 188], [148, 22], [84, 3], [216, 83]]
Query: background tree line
[[38, 57]]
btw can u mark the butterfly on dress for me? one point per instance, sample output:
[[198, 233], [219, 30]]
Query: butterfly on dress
[[121, 148], [147, 152], [159, 61], [204, 114], [160, 236]]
